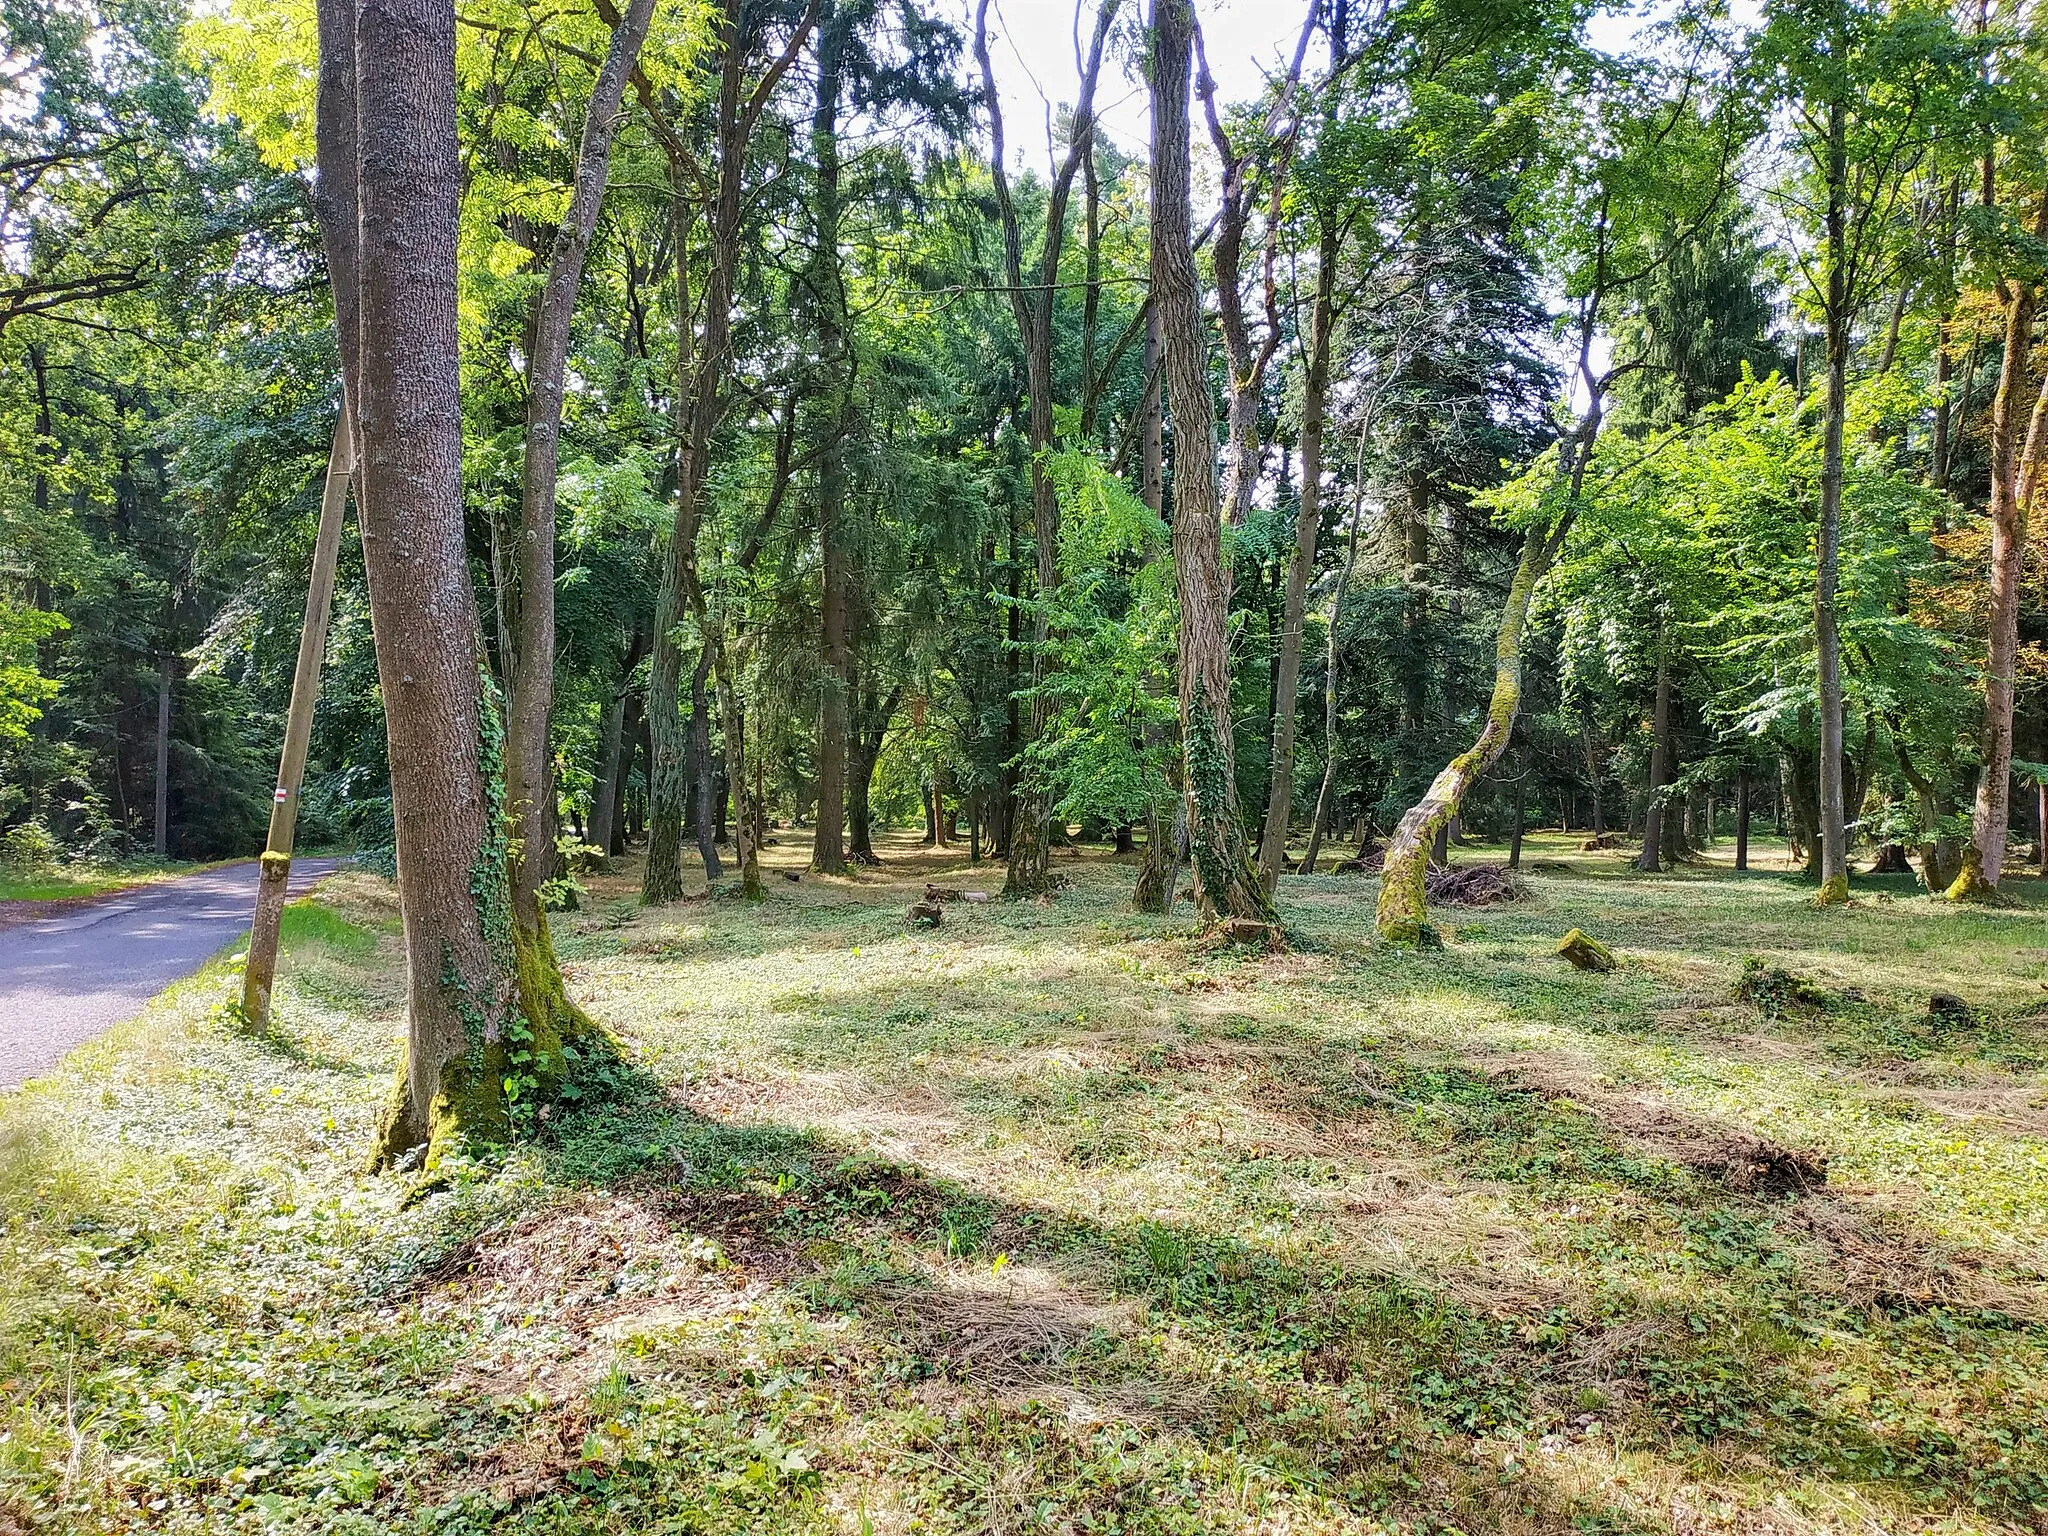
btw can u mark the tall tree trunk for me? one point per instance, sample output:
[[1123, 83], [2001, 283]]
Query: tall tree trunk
[[162, 840], [1307, 526], [616, 758], [1226, 884], [1521, 806], [1834, 833], [1030, 871], [390, 166], [628, 814], [703, 365], [1742, 817], [704, 771], [1650, 860], [1159, 868], [870, 731], [828, 295], [1984, 857], [530, 670], [1325, 792]]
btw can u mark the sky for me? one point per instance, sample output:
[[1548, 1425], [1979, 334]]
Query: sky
[[1031, 47]]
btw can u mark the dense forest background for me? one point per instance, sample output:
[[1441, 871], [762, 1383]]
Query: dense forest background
[[1425, 253]]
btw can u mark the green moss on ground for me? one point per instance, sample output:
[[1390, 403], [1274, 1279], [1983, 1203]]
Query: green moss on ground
[[1057, 1220]]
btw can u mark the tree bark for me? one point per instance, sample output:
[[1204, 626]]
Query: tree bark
[[391, 168], [828, 297], [1402, 913], [1159, 867], [703, 365], [1834, 835], [530, 670], [1325, 792], [162, 840], [1984, 857], [1030, 872], [1226, 884], [1521, 805], [616, 757], [1650, 859], [1742, 817], [1307, 527]]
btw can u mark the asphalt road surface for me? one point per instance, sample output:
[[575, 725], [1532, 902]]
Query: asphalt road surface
[[64, 979]]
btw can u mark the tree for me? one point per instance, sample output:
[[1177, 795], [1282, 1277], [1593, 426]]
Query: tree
[[1656, 153], [1226, 884], [529, 779], [390, 167], [1030, 844], [1873, 87]]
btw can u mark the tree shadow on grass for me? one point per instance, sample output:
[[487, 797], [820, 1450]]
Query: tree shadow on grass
[[1173, 1353]]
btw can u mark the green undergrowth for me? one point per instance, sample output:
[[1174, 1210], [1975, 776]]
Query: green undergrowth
[[1056, 1219]]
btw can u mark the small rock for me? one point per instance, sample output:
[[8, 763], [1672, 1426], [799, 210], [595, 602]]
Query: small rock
[[1588, 954]]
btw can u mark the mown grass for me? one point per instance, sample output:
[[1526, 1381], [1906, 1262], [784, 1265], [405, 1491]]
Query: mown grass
[[1057, 1220], [74, 882]]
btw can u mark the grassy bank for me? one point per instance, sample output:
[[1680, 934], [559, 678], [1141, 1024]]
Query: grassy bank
[[1055, 1220]]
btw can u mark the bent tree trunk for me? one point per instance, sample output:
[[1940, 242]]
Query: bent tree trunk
[[1402, 915], [1226, 884], [529, 781], [389, 65], [1307, 525]]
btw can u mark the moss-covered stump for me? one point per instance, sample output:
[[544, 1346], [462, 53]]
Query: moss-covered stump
[[1585, 952]]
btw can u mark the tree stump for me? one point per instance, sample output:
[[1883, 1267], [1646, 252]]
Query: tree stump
[[1587, 953], [925, 914]]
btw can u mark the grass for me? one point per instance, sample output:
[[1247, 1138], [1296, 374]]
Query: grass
[[77, 882], [1057, 1220]]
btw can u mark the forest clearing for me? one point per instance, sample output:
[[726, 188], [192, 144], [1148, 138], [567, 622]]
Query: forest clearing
[[1099, 766], [1063, 1218]]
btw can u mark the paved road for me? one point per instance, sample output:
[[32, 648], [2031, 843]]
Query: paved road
[[64, 979]]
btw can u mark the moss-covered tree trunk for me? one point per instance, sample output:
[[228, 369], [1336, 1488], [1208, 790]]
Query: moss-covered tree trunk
[[1402, 915], [529, 781], [390, 172], [1226, 884]]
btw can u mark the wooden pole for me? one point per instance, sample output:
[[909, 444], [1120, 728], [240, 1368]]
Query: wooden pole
[[261, 971]]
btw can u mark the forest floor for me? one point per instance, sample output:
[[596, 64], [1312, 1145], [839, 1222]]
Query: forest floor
[[1056, 1220]]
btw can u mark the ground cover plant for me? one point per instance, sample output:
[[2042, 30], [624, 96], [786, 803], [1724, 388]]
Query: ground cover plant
[[1061, 1217]]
